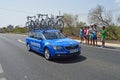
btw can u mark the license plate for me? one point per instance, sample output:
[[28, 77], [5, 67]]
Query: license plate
[[73, 50]]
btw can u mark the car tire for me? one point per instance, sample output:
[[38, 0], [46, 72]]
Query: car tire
[[47, 54], [28, 47]]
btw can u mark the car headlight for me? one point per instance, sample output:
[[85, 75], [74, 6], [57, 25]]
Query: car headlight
[[57, 47]]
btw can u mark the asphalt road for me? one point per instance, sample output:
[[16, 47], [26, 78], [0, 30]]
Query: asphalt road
[[16, 63]]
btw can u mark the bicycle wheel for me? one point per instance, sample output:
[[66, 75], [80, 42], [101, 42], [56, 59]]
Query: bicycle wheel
[[50, 24], [60, 24], [36, 22], [43, 24], [32, 25], [27, 24]]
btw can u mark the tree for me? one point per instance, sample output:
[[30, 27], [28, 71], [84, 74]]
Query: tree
[[81, 24], [100, 16], [118, 18], [19, 29], [114, 33], [4, 29], [10, 28], [70, 21]]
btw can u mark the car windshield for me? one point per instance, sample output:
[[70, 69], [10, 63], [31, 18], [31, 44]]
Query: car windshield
[[53, 35]]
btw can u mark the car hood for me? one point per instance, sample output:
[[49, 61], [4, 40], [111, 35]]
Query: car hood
[[63, 42]]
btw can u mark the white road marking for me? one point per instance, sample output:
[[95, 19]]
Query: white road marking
[[25, 77], [21, 41], [1, 70], [3, 37], [2, 78]]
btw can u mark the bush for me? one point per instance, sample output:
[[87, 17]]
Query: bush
[[113, 33], [20, 30]]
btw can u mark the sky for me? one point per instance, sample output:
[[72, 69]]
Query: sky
[[14, 12]]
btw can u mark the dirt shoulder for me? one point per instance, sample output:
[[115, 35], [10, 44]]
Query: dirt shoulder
[[109, 43]]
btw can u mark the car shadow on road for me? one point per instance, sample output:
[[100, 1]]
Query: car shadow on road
[[69, 60]]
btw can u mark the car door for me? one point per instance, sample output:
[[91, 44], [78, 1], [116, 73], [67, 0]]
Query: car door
[[31, 40], [38, 42]]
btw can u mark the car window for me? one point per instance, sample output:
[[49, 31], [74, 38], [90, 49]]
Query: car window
[[39, 35], [31, 34], [54, 35]]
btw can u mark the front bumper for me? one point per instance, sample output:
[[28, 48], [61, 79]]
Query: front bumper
[[67, 55]]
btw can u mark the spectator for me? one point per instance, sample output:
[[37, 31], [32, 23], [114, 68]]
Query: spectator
[[95, 35], [103, 36], [91, 35], [85, 34], [81, 35]]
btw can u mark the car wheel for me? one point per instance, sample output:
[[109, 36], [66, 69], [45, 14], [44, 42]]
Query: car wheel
[[47, 54], [28, 47]]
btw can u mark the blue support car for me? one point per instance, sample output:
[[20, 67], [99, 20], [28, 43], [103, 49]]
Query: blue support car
[[52, 44]]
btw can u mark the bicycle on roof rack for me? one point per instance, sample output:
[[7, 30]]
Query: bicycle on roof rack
[[56, 23], [30, 24], [42, 21]]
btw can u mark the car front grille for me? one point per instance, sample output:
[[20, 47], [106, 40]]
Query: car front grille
[[72, 47]]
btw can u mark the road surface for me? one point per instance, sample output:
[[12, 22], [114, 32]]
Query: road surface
[[16, 63]]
